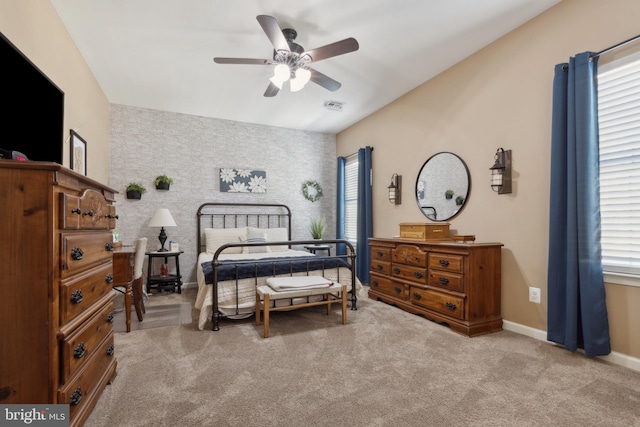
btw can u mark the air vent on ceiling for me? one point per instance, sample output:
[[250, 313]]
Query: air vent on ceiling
[[334, 105]]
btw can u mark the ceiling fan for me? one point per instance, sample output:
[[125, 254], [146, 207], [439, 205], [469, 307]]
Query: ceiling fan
[[291, 60]]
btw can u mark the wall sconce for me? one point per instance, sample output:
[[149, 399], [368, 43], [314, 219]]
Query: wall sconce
[[501, 172], [395, 189]]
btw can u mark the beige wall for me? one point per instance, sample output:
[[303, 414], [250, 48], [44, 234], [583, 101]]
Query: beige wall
[[35, 28], [500, 97]]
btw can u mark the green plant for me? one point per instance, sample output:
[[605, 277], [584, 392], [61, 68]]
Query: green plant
[[448, 193], [134, 186], [317, 227], [459, 200], [163, 179]]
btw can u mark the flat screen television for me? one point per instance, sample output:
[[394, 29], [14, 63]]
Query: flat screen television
[[32, 121]]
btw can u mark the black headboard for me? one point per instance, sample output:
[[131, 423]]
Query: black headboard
[[233, 215]]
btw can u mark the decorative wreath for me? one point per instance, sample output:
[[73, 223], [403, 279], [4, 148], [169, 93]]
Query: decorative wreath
[[312, 197]]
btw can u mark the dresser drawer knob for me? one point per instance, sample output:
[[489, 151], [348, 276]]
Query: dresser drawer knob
[[112, 216], [76, 211], [375, 283], [79, 351], [110, 318], [109, 246], [397, 290], [417, 275], [379, 267], [76, 254], [76, 397], [89, 213], [444, 262], [451, 306], [110, 350], [396, 270], [76, 296], [380, 253], [417, 295], [109, 278], [443, 280]]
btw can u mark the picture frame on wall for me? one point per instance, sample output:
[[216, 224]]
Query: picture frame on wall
[[78, 150]]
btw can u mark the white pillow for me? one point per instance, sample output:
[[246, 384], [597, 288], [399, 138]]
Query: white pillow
[[256, 238], [216, 237], [273, 235]]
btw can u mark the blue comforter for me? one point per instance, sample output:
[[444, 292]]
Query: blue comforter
[[232, 270]]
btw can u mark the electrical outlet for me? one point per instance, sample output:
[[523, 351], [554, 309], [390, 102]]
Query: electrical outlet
[[534, 295]]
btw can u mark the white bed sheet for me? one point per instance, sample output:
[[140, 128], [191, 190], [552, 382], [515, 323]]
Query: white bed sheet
[[246, 287]]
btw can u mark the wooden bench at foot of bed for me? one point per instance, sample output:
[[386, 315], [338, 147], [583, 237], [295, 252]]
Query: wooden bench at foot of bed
[[265, 294]]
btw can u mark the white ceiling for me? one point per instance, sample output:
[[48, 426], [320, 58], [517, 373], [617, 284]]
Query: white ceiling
[[158, 54]]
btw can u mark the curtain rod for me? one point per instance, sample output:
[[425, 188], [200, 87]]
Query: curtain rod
[[614, 47], [353, 154]]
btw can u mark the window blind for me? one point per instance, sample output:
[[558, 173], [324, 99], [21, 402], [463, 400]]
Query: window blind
[[351, 201], [619, 132]]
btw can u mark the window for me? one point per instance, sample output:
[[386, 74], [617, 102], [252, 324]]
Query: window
[[351, 201], [619, 129]]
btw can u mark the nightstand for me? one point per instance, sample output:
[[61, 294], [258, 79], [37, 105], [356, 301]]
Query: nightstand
[[164, 281]]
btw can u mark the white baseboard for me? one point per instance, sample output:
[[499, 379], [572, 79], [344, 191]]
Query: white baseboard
[[615, 358]]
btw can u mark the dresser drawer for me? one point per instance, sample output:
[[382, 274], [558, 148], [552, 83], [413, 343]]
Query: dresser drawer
[[83, 388], [82, 291], [380, 254], [446, 280], [444, 303], [79, 251], [409, 254], [79, 347], [446, 262], [386, 286], [381, 267], [406, 272], [89, 211]]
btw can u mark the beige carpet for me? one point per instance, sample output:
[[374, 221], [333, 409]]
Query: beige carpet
[[385, 368]]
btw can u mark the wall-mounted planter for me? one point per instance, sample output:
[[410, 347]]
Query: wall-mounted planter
[[133, 194], [163, 182], [162, 186]]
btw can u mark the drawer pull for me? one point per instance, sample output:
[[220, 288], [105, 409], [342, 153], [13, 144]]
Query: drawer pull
[[76, 254], [110, 318], [396, 270], [379, 267], [397, 290], [90, 213], [109, 278], [112, 216], [76, 211], [76, 296], [417, 295], [417, 275], [109, 246], [79, 351], [380, 253], [451, 306], [443, 280], [375, 283], [110, 350], [76, 397], [444, 262]]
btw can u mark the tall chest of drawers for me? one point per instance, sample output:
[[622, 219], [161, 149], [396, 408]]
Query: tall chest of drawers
[[458, 284], [56, 335]]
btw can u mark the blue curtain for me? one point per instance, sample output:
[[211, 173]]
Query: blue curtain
[[365, 214], [577, 312], [340, 206]]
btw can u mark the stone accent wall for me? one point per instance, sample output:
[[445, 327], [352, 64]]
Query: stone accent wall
[[191, 150]]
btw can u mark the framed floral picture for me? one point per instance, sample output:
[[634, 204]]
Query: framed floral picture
[[78, 149], [235, 180]]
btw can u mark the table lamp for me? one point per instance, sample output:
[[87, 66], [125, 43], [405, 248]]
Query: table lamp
[[162, 218]]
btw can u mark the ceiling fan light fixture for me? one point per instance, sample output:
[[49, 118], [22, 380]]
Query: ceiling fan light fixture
[[281, 72], [301, 79]]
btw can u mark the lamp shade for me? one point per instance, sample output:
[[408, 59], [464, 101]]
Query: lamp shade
[[162, 218]]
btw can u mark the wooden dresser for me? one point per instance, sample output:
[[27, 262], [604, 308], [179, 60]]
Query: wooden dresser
[[458, 284], [56, 335]]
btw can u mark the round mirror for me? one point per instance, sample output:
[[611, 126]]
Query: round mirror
[[442, 187]]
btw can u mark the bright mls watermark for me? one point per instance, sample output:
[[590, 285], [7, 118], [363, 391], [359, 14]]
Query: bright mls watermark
[[36, 415]]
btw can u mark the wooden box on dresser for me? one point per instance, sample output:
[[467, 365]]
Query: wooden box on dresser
[[454, 283], [56, 335]]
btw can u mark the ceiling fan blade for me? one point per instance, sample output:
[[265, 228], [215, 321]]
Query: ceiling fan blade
[[243, 61], [272, 90], [325, 81], [271, 28], [333, 49]]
